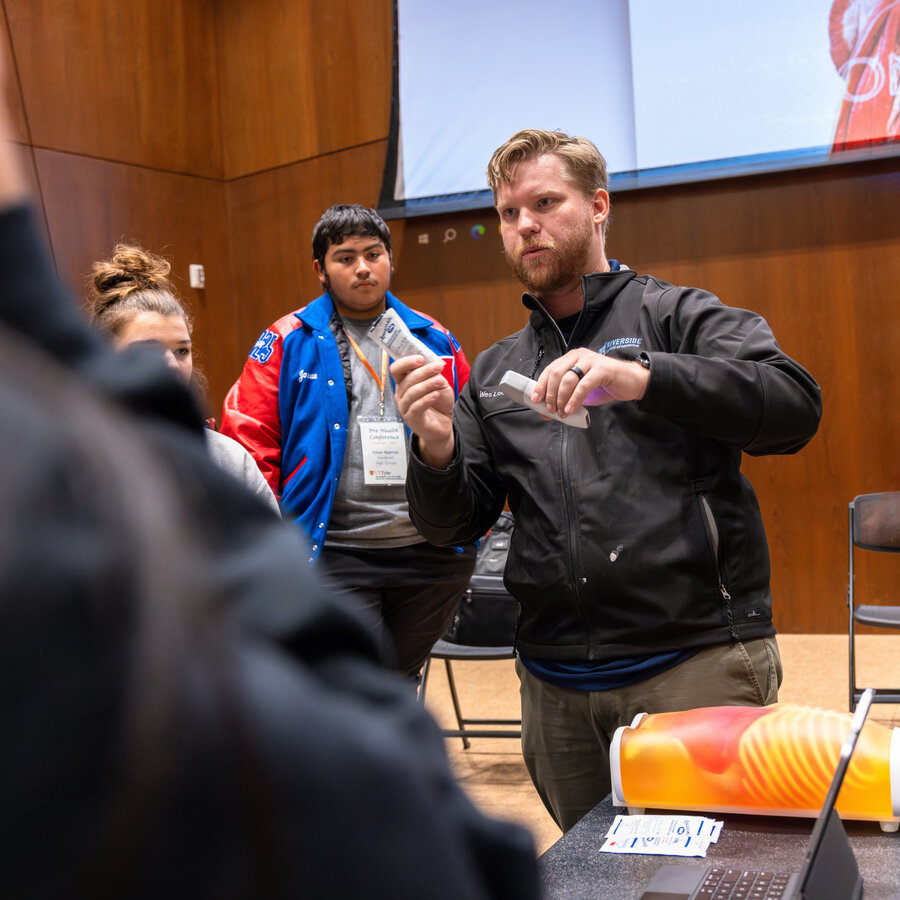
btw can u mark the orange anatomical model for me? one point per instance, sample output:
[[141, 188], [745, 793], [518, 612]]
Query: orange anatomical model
[[777, 759]]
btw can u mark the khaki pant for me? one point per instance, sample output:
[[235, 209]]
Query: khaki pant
[[566, 733]]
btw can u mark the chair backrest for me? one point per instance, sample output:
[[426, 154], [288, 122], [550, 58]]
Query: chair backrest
[[876, 521], [487, 615]]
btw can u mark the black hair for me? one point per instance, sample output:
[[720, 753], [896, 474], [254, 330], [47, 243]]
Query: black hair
[[347, 220]]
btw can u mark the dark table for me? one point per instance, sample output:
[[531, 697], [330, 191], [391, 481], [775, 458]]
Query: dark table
[[574, 868]]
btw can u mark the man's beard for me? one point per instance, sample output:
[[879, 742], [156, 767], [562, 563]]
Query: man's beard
[[565, 261]]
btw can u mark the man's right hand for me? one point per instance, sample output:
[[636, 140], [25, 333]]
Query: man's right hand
[[425, 401]]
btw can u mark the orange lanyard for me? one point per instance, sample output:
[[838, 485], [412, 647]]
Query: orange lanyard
[[384, 361]]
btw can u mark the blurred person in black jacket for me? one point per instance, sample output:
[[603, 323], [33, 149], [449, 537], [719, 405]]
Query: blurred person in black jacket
[[186, 710]]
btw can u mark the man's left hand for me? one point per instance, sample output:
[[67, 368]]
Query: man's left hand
[[604, 380]]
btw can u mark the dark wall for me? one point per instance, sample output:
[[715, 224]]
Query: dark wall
[[217, 131]]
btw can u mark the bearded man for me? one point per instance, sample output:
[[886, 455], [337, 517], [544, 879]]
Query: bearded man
[[639, 556]]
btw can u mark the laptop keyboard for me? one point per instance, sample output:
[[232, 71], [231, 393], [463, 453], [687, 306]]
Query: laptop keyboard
[[738, 884]]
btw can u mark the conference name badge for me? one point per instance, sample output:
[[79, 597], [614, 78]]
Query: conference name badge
[[384, 452]]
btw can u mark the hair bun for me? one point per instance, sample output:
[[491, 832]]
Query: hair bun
[[130, 269]]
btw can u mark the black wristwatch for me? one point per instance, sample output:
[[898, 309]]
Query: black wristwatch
[[643, 359]]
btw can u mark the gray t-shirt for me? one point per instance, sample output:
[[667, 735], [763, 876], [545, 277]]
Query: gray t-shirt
[[367, 515]]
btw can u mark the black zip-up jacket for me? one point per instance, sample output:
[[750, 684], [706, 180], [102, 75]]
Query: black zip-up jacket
[[638, 535]]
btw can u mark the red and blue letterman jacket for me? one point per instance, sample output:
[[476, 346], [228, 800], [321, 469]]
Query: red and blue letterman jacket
[[289, 406]]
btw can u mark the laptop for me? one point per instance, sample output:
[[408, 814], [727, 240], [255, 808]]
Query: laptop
[[829, 870]]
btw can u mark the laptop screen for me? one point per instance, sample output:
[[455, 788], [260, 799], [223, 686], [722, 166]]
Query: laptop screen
[[827, 835]]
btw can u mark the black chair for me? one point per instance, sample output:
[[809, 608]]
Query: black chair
[[874, 525], [483, 628], [512, 728]]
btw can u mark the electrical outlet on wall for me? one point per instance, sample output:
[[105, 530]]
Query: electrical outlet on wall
[[198, 276]]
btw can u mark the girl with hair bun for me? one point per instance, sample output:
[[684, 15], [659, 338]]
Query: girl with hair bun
[[132, 299]]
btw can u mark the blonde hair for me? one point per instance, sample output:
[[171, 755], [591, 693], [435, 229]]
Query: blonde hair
[[583, 162], [133, 280]]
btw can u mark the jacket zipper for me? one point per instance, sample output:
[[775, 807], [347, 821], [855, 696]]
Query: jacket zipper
[[714, 538], [574, 554], [573, 531]]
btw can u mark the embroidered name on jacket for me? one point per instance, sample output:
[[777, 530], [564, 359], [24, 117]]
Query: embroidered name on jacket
[[262, 349], [303, 374], [615, 343]]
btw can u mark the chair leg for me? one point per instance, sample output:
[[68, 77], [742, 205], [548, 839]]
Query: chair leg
[[423, 678], [455, 698]]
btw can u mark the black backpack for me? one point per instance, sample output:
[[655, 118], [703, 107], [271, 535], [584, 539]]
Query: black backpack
[[487, 615]]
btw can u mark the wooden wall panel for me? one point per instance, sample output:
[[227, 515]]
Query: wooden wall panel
[[302, 79], [132, 81], [92, 204]]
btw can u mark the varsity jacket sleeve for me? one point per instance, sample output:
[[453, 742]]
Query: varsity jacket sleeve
[[721, 374], [461, 368], [250, 413]]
